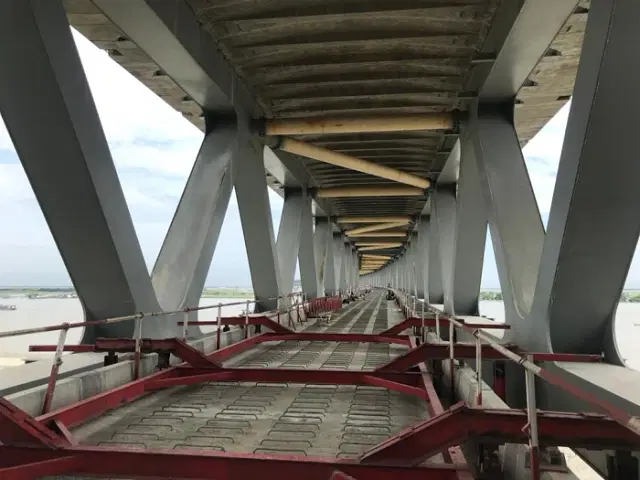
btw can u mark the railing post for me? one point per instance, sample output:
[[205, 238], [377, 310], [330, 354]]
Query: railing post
[[479, 371], [452, 370], [185, 326], [55, 367], [438, 326], [138, 345], [219, 332], [246, 320], [532, 414]]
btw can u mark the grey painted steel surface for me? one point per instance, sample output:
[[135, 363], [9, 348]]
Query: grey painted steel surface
[[338, 261], [171, 35], [470, 236], [331, 272], [514, 220], [594, 209], [61, 144], [306, 253], [288, 242], [530, 33], [422, 257], [434, 271], [194, 294], [322, 239], [182, 266], [255, 217], [444, 213]]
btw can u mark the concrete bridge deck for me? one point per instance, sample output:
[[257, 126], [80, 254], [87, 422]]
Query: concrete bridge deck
[[338, 421]]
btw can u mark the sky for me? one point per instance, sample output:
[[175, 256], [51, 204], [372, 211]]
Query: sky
[[154, 148]]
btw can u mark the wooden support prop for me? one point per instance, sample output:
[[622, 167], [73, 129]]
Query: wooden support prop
[[374, 219], [396, 123], [352, 163], [357, 192], [374, 227], [378, 234]]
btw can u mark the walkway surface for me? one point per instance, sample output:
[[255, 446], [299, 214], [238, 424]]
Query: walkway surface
[[317, 420]]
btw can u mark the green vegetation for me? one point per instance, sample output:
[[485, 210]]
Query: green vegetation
[[630, 297], [493, 295], [222, 292]]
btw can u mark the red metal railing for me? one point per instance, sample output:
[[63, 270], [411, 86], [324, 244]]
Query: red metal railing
[[43, 446]]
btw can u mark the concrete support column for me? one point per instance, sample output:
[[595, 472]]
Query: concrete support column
[[181, 268], [306, 255], [322, 249], [50, 114], [255, 216]]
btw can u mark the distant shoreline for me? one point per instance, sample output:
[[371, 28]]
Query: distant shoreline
[[628, 296], [66, 292]]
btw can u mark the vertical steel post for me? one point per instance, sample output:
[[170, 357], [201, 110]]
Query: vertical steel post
[[138, 345], [479, 372], [452, 371], [55, 367], [424, 330], [185, 326], [534, 446], [219, 332], [438, 325], [246, 320]]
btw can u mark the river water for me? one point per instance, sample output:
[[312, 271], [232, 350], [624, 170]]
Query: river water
[[42, 312], [52, 311]]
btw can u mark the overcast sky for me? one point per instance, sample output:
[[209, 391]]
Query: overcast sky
[[154, 148]]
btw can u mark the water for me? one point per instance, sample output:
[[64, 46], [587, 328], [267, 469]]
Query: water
[[43, 312], [627, 333]]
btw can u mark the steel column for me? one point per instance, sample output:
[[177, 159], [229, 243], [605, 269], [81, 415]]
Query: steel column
[[593, 224], [183, 263], [342, 267], [434, 270], [444, 211], [255, 215], [49, 111], [322, 247], [331, 272], [422, 257], [288, 242], [514, 220], [470, 237], [306, 253]]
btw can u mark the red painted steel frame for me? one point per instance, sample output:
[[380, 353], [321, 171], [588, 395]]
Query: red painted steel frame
[[97, 405], [52, 451], [431, 322], [402, 382], [197, 464], [419, 442], [435, 408], [440, 351]]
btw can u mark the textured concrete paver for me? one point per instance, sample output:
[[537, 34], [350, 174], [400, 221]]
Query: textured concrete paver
[[321, 420]]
